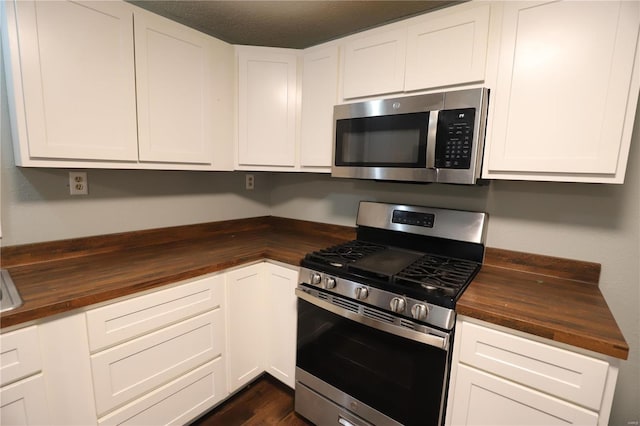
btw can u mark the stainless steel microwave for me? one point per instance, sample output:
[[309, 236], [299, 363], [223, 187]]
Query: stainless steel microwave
[[437, 137]]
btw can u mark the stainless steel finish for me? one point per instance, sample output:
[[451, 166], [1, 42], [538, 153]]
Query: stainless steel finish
[[419, 311], [382, 107], [315, 278], [9, 296], [470, 98], [438, 316], [431, 139], [370, 317], [324, 404], [398, 305], [451, 224], [329, 283], [362, 293]]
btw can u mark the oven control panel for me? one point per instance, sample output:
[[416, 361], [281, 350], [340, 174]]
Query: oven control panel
[[404, 217], [420, 310]]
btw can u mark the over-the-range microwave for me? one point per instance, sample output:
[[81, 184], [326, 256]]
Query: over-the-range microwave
[[436, 137]]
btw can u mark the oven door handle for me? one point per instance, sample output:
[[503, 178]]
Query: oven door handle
[[441, 342]]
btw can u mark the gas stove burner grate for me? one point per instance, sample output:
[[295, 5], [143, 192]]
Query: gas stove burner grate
[[343, 254], [438, 274]]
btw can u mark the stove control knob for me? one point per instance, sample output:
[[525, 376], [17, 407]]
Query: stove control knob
[[397, 305], [316, 278], [329, 283], [362, 293], [419, 311]]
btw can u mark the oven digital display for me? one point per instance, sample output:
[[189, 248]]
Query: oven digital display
[[413, 218]]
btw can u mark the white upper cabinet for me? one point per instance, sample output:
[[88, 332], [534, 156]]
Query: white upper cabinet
[[450, 47], [374, 64], [86, 91], [73, 63], [566, 92], [443, 48], [267, 102], [184, 90], [319, 95]]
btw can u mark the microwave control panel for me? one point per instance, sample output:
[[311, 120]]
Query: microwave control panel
[[454, 138]]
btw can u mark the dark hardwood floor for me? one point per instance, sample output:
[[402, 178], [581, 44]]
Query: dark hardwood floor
[[264, 402]]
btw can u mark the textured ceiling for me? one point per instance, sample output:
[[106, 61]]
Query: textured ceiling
[[295, 24]]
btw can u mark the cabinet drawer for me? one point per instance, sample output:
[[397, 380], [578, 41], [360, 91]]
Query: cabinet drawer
[[20, 354], [131, 318], [484, 399], [24, 403], [567, 375], [125, 372], [177, 402]]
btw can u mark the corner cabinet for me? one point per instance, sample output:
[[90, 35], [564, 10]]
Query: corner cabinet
[[261, 323], [565, 97], [86, 90], [320, 94], [267, 107], [500, 378]]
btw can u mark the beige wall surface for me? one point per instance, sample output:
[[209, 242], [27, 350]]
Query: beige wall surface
[[598, 223]]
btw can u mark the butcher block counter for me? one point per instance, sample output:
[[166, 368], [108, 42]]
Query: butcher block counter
[[554, 298]]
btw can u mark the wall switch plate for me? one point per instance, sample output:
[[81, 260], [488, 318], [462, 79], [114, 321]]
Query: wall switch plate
[[78, 183], [249, 182]]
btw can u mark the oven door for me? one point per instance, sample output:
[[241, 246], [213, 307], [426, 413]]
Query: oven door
[[366, 371]]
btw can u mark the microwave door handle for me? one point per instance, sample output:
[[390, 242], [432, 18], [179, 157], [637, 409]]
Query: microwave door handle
[[432, 132]]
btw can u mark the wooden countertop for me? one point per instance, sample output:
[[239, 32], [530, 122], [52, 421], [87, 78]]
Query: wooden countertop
[[549, 297]]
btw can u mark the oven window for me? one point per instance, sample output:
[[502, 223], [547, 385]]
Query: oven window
[[401, 378], [386, 141]]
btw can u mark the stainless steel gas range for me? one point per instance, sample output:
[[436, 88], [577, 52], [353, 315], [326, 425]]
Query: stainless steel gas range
[[376, 316]]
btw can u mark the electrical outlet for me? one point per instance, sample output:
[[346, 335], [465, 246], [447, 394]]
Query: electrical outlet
[[78, 183], [249, 181]]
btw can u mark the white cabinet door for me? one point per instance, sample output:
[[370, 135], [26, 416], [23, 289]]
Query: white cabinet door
[[129, 370], [75, 93], [566, 91], [483, 399], [19, 354], [449, 47], [375, 64], [281, 321], [178, 84], [115, 323], [246, 324], [319, 95], [267, 101], [177, 402], [24, 403]]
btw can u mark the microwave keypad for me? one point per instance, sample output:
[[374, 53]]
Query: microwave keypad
[[454, 139]]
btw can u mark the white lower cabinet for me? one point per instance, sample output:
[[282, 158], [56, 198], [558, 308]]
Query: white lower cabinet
[[499, 378], [246, 325], [164, 357], [281, 323], [23, 400], [177, 401], [261, 323], [160, 357], [24, 403]]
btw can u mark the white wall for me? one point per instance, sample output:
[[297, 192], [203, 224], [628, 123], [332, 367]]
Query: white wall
[[591, 222]]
